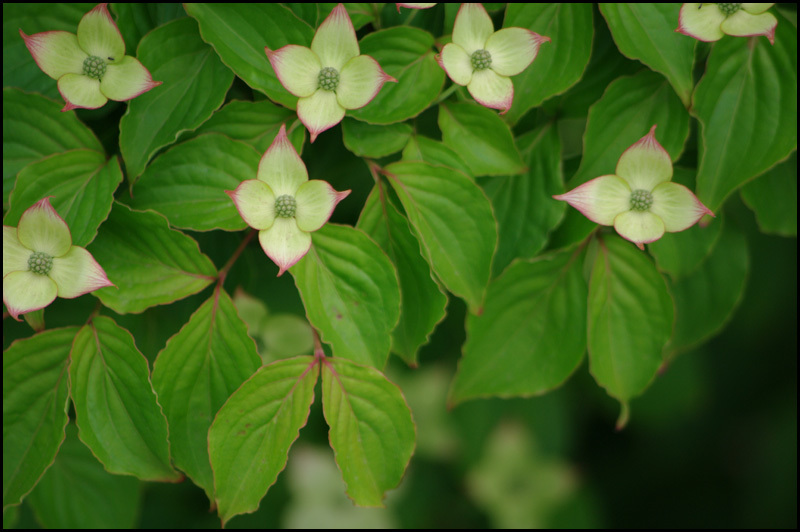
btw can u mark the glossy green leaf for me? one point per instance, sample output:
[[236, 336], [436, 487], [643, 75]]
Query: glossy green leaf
[[135, 20], [250, 438], [149, 263], [350, 292], [747, 105], [77, 493], [480, 137], [681, 253], [453, 220], [200, 367], [406, 54], [34, 127], [560, 63], [706, 299], [371, 430], [422, 303], [367, 140], [523, 204], [532, 333], [626, 112], [630, 318], [773, 197], [117, 412], [239, 33], [81, 183], [19, 68], [255, 123], [35, 402], [646, 31], [187, 184], [433, 152], [194, 85]]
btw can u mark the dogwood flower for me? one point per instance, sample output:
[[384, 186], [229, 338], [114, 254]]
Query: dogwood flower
[[711, 22], [483, 59], [40, 262], [283, 204], [639, 201], [91, 67], [331, 76]]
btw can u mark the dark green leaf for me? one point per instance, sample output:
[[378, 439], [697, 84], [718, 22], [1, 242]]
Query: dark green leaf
[[350, 292], [116, 409], [406, 54], [367, 140], [480, 137], [194, 85], [187, 184], [454, 223], [200, 367], [532, 333], [433, 152], [773, 197], [35, 401], [149, 263]]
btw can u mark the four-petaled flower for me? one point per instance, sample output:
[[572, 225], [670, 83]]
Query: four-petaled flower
[[331, 76], [40, 262], [283, 204], [91, 67], [639, 201], [711, 22], [483, 59]]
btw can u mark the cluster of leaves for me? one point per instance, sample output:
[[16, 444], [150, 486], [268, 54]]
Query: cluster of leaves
[[459, 206]]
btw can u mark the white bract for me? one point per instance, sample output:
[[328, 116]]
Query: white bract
[[711, 22]]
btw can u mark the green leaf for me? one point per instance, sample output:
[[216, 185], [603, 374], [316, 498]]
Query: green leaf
[[350, 292], [117, 412], [454, 223], [19, 68], [630, 318], [35, 401], [81, 183], [433, 152], [250, 438], [314, 14], [135, 20], [480, 137], [747, 104], [200, 367], [680, 253], [255, 123], [560, 63], [367, 140], [149, 263], [239, 33], [630, 106], [706, 298], [523, 204], [646, 32], [422, 303], [773, 197], [532, 333], [187, 184], [194, 85], [34, 127], [406, 54], [371, 430], [77, 493]]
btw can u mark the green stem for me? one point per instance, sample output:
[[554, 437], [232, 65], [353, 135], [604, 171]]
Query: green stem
[[446, 94]]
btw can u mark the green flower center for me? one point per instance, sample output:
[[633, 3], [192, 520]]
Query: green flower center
[[328, 79], [641, 200], [40, 263], [729, 9], [285, 206], [481, 59], [94, 67]]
